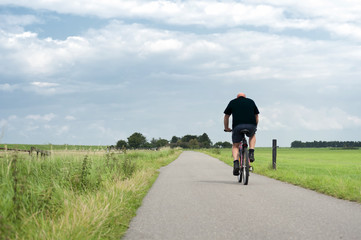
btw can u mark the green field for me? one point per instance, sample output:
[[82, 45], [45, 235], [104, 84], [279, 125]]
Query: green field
[[333, 172], [54, 147], [91, 194], [74, 194]]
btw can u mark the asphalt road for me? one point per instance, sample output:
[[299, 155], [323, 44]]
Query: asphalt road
[[197, 197]]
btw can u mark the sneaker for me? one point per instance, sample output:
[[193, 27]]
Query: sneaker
[[251, 157], [236, 168]]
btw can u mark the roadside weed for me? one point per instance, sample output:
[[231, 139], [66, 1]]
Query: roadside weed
[[74, 196]]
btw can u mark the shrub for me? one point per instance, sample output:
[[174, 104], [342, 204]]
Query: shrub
[[128, 167]]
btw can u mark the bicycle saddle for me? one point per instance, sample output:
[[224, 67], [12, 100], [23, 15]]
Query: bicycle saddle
[[244, 131]]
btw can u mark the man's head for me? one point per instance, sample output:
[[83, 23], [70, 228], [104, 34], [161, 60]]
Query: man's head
[[241, 95]]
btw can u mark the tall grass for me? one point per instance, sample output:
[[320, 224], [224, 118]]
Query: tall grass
[[74, 196], [333, 172], [55, 147]]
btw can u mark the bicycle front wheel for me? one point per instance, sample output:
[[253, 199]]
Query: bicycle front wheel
[[245, 167]]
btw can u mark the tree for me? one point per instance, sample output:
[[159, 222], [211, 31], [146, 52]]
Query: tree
[[204, 141], [174, 139], [121, 144], [137, 140], [158, 143], [324, 144], [174, 142], [162, 142], [187, 138], [226, 145], [193, 143], [218, 145], [223, 145]]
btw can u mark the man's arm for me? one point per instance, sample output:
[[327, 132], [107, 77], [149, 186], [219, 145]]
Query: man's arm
[[257, 119], [226, 123]]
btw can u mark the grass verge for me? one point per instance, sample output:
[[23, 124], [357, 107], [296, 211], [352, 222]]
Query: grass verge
[[333, 172], [74, 196]]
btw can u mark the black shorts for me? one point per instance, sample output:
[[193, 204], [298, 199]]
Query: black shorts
[[237, 135]]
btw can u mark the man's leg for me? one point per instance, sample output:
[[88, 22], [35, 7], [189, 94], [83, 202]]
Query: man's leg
[[235, 151], [252, 145], [252, 142]]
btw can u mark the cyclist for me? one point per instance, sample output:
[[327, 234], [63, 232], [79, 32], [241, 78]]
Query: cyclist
[[244, 116]]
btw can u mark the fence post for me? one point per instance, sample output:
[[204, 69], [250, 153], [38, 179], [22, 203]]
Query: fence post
[[274, 153]]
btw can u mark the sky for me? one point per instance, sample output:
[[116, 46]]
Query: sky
[[92, 72]]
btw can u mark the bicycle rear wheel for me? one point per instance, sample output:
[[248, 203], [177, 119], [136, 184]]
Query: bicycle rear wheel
[[245, 167], [240, 157], [240, 176]]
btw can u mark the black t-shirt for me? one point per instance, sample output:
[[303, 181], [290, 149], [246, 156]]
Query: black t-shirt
[[243, 111]]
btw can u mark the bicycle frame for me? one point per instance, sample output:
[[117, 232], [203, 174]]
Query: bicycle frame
[[243, 160], [242, 147]]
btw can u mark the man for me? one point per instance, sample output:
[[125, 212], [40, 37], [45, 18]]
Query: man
[[244, 116]]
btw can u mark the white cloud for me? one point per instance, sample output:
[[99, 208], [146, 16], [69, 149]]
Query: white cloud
[[206, 124], [16, 20], [3, 123], [353, 120], [341, 18], [43, 88], [177, 50], [101, 132], [116, 42], [296, 117], [31, 128], [12, 117], [8, 123], [44, 84], [45, 117], [328, 89], [8, 87], [37, 56], [344, 11], [16, 23], [163, 45], [255, 72], [61, 130], [235, 54], [348, 30], [70, 118]]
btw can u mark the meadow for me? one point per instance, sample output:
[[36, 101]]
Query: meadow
[[89, 194], [86, 192], [49, 147], [335, 172]]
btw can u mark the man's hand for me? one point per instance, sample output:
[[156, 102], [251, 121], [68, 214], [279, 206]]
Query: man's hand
[[226, 123]]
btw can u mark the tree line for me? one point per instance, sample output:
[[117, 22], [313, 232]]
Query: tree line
[[325, 144], [139, 141]]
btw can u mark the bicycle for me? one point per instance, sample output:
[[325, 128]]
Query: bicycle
[[243, 157]]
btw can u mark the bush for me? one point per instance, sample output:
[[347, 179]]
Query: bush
[[128, 168]]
